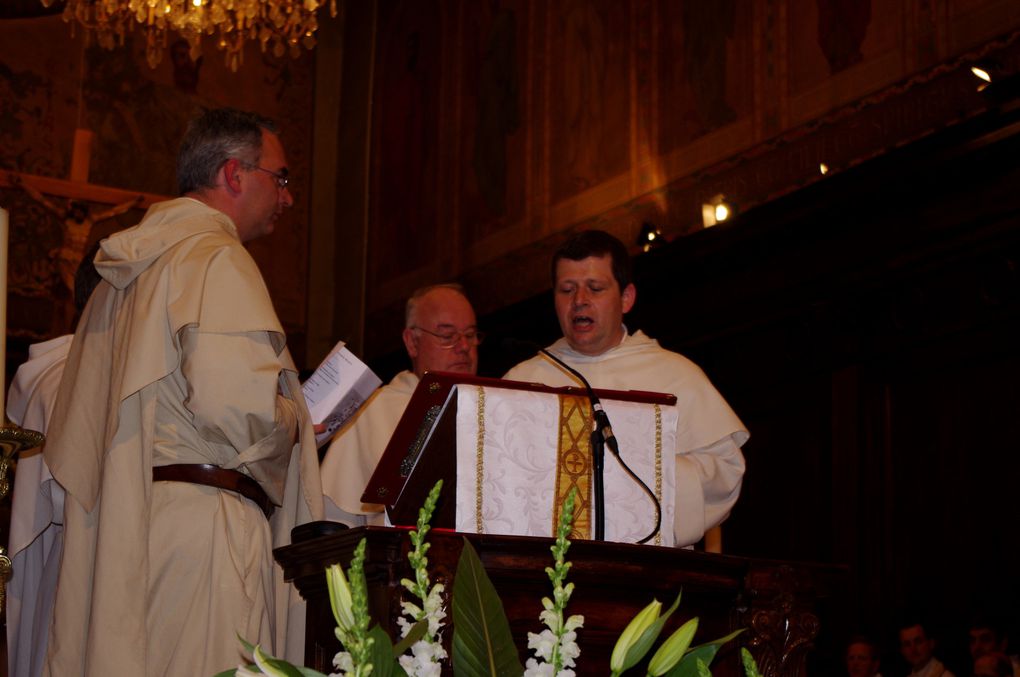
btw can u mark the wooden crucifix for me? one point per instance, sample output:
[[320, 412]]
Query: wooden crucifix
[[76, 217]]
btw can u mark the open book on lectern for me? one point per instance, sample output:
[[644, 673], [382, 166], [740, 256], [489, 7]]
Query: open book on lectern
[[509, 453]]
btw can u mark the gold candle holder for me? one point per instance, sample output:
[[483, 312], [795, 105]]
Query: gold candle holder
[[13, 440]]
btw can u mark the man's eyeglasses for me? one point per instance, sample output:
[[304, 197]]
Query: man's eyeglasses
[[451, 339], [282, 177]]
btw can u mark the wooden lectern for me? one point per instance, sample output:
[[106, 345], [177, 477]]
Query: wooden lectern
[[778, 602], [775, 601]]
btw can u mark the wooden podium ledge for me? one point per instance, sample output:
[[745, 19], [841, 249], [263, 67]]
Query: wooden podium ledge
[[778, 602]]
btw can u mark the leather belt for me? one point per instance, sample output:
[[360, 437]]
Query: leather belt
[[214, 476]]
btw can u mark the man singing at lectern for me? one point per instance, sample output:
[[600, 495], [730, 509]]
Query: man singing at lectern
[[592, 290]]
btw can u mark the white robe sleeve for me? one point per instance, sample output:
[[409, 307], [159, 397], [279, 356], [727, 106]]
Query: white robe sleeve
[[707, 486]]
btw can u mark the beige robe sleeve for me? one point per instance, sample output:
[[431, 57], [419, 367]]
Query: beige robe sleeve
[[233, 383]]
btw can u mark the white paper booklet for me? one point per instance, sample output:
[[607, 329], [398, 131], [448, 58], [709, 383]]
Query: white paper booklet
[[339, 386]]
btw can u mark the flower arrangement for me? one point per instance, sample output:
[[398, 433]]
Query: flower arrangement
[[482, 644]]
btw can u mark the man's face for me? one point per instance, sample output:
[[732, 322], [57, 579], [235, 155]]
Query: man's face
[[860, 662], [590, 304], [263, 199], [984, 641], [444, 312], [915, 646]]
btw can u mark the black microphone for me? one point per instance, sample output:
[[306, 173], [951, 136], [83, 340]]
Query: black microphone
[[603, 432]]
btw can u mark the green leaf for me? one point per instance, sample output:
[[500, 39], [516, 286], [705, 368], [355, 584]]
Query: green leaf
[[416, 632], [703, 670], [382, 654], [231, 671], [276, 667], [249, 648], [687, 667], [643, 643], [482, 644]]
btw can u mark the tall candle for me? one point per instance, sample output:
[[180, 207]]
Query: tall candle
[[3, 313]]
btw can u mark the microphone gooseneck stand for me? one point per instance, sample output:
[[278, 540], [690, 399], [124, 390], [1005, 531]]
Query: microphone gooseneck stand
[[601, 437]]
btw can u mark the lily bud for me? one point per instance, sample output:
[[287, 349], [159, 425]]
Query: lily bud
[[340, 597], [634, 630], [673, 649]]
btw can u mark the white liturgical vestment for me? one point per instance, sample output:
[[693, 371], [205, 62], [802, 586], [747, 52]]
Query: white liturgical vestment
[[520, 453]]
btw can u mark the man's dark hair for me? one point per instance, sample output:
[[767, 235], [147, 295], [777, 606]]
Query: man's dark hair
[[596, 243], [868, 642], [215, 136], [989, 622], [86, 278], [914, 620]]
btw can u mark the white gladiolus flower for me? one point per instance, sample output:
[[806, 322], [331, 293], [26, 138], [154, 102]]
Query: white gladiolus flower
[[344, 664], [536, 669], [543, 643]]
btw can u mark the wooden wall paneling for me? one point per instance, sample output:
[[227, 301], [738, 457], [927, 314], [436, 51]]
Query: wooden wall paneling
[[324, 226], [340, 242]]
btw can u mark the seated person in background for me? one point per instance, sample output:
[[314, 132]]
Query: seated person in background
[[440, 334], [918, 650], [862, 658], [37, 506], [988, 635], [592, 291]]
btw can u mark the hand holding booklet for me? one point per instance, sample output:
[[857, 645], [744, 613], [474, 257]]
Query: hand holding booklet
[[337, 389]]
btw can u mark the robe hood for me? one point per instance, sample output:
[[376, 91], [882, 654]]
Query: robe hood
[[125, 255]]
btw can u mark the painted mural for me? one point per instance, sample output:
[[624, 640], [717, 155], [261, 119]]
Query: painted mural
[[545, 117], [55, 86]]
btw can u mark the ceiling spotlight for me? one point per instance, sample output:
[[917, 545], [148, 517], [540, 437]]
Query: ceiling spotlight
[[650, 236], [823, 169], [716, 211]]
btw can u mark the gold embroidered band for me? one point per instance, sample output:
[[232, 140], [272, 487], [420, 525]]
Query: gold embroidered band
[[573, 463], [658, 467], [480, 461]]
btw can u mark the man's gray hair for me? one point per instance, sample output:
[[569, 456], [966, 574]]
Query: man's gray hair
[[214, 137], [418, 294]]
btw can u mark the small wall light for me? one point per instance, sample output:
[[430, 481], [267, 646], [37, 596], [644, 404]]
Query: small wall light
[[716, 211], [650, 236]]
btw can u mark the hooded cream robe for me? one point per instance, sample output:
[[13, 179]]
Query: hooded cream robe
[[179, 358], [709, 465]]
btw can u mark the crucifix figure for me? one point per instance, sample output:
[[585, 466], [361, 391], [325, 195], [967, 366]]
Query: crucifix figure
[[78, 224]]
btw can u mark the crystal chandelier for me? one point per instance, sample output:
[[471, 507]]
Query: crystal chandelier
[[278, 25]]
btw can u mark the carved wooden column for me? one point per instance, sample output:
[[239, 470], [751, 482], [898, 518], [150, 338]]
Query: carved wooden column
[[780, 618]]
